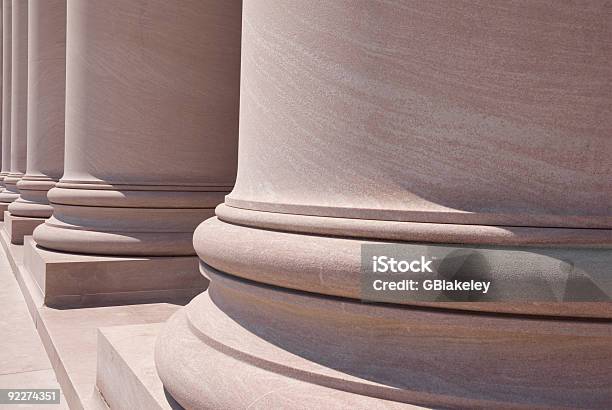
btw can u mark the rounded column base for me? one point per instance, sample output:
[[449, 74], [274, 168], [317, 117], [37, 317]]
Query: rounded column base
[[124, 220], [526, 280], [10, 192], [32, 201], [288, 348], [2, 176]]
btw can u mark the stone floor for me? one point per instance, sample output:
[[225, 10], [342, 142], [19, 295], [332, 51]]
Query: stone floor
[[23, 361], [62, 347]]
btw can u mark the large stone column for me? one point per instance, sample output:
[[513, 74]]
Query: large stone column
[[1, 81], [6, 96], [19, 100], [151, 134], [45, 135], [483, 126]]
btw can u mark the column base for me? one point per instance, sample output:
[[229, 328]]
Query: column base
[[74, 280], [289, 348], [7, 196], [19, 226], [3, 209]]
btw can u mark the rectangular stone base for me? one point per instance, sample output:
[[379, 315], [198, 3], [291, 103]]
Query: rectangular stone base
[[126, 375], [19, 226], [3, 209], [74, 280]]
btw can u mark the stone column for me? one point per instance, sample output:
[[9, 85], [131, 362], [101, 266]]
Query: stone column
[[480, 126], [45, 135], [1, 81], [19, 103], [151, 136], [6, 96]]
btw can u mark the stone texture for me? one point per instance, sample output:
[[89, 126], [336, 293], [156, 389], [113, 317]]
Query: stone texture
[[74, 280], [46, 99], [428, 122], [17, 227], [69, 335], [6, 89], [23, 362], [19, 97], [288, 349], [151, 133], [126, 374]]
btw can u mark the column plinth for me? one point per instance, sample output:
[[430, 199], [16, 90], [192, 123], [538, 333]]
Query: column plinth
[[19, 103], [151, 140], [416, 126]]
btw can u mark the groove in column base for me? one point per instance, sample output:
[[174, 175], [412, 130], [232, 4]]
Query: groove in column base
[[289, 348], [9, 193], [32, 201], [17, 227], [75, 280]]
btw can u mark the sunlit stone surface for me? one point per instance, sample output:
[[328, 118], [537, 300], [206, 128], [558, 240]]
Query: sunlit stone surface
[[46, 97], [6, 89], [151, 125], [19, 100], [481, 123]]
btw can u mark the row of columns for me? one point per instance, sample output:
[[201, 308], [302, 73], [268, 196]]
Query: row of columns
[[34, 44], [359, 123]]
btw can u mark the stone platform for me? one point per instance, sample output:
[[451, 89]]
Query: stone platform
[[3, 209], [126, 376], [70, 336], [73, 280], [17, 227], [23, 362]]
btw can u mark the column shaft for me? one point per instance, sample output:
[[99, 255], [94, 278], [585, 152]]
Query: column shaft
[[46, 100], [479, 126], [151, 125], [19, 100], [6, 88]]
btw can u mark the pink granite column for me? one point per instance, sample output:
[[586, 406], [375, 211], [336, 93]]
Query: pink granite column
[[478, 124], [19, 103], [151, 125], [6, 93], [45, 135]]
